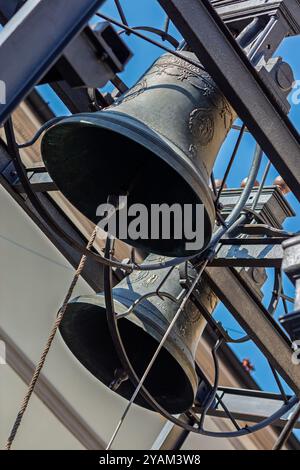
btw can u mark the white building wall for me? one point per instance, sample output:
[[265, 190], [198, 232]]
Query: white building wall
[[40, 429]]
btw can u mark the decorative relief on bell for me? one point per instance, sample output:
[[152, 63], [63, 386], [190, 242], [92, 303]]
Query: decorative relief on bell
[[134, 92], [151, 279], [191, 314], [209, 298], [184, 71], [226, 114], [192, 151], [138, 276], [175, 67], [201, 125], [147, 278]]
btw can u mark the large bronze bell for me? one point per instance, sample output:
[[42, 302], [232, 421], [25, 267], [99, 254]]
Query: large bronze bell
[[172, 380], [157, 144]]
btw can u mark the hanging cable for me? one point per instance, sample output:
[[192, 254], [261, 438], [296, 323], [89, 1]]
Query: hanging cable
[[121, 12]]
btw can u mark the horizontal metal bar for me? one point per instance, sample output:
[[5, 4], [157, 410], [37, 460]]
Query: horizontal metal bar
[[244, 392], [40, 183], [201, 27], [37, 167], [263, 256], [250, 408], [254, 241], [35, 37], [233, 291]]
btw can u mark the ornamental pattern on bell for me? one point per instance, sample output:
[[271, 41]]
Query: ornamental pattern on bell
[[147, 278], [134, 92], [201, 125], [183, 70], [191, 314]]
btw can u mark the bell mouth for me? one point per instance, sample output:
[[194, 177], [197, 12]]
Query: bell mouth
[[85, 331], [93, 156]]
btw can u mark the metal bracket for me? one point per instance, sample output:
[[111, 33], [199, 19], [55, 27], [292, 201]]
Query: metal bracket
[[270, 25], [91, 59], [237, 13], [263, 256]]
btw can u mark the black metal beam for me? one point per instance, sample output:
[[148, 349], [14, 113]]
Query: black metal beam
[[223, 58], [9, 8], [77, 100], [35, 37], [234, 292], [40, 183]]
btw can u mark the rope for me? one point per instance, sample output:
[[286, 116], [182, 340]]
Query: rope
[[43, 357]]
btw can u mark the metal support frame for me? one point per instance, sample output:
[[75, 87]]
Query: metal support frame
[[250, 405], [201, 27], [171, 436], [36, 36], [40, 182], [77, 100], [8, 9], [256, 321], [246, 255], [237, 13]]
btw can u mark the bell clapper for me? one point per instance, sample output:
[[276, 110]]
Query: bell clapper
[[120, 377]]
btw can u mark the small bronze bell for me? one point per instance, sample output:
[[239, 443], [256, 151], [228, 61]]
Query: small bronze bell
[[172, 380], [156, 145]]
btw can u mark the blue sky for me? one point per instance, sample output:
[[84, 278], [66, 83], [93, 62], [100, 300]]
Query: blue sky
[[148, 12]]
